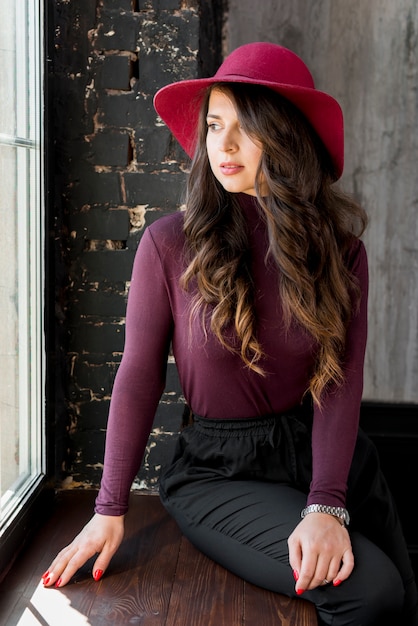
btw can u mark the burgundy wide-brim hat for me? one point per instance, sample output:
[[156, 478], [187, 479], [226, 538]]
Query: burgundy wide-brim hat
[[260, 63]]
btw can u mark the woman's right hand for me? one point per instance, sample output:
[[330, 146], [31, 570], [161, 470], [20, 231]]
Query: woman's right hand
[[102, 535]]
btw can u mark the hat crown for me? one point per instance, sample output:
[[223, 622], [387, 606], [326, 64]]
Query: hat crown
[[265, 62]]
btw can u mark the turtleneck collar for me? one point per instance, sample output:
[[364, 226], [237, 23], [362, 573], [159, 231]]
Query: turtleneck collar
[[251, 208], [249, 204]]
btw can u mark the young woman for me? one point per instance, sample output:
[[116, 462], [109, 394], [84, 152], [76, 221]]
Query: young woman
[[260, 286]]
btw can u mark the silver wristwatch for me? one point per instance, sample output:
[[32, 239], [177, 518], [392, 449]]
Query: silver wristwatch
[[336, 511]]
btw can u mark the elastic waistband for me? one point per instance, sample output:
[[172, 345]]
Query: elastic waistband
[[235, 423], [248, 425]]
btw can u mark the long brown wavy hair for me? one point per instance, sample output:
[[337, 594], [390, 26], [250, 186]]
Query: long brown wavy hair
[[311, 225]]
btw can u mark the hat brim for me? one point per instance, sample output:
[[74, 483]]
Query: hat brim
[[178, 105]]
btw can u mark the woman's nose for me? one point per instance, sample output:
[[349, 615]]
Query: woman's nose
[[227, 142]]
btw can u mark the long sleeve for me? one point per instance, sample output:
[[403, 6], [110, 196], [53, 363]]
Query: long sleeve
[[335, 425], [140, 379]]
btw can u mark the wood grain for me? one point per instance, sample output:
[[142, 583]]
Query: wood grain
[[268, 608], [204, 592]]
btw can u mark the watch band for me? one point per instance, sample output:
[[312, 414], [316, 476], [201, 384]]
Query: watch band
[[336, 511]]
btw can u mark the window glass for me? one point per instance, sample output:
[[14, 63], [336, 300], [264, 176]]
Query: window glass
[[21, 238]]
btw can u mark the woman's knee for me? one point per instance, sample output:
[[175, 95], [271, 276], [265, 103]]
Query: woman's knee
[[372, 596]]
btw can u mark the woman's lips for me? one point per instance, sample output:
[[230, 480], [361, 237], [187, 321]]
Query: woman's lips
[[229, 169]]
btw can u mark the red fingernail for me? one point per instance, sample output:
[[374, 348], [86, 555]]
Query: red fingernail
[[296, 575], [46, 574], [58, 583], [46, 581], [300, 591], [98, 574], [337, 582]]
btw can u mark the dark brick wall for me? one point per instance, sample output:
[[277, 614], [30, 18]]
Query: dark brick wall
[[112, 170]]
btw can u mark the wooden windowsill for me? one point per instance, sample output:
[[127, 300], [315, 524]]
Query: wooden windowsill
[[157, 578]]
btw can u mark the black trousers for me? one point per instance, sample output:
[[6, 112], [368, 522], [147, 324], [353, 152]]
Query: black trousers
[[236, 489]]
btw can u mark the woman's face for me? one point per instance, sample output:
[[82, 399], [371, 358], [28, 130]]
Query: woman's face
[[233, 155]]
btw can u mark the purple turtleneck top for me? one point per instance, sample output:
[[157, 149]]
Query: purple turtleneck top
[[215, 382]]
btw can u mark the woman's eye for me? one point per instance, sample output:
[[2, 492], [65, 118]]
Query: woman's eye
[[212, 126]]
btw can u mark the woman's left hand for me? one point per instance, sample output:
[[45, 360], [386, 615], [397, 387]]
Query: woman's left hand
[[320, 552]]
